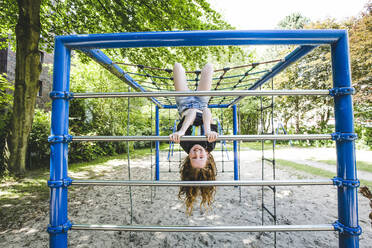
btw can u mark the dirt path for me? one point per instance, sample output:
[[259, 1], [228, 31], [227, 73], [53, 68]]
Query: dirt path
[[311, 157]]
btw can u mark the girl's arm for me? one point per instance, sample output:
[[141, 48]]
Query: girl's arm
[[189, 115], [207, 119]]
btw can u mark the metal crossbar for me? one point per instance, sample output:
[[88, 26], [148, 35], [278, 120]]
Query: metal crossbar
[[202, 93], [201, 183], [204, 138], [138, 228]]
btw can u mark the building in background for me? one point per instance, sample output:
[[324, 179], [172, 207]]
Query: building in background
[[8, 64]]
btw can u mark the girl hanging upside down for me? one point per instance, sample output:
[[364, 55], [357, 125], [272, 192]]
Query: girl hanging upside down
[[196, 119]]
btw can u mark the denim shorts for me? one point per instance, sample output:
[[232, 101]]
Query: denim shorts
[[188, 102]]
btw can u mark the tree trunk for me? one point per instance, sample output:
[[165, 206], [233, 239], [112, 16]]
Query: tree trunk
[[28, 69]]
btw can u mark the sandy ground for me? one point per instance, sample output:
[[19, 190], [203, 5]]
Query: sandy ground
[[111, 205]]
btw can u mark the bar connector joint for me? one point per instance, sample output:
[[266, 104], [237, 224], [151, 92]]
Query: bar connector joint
[[61, 95], [341, 91], [60, 138], [337, 136], [64, 183], [61, 228], [340, 182], [355, 231]]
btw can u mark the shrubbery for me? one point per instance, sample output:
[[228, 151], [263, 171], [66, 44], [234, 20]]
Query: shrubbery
[[38, 146], [93, 117], [6, 101]]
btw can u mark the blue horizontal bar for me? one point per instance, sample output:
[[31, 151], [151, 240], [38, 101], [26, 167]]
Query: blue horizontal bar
[[209, 106], [203, 38], [107, 63]]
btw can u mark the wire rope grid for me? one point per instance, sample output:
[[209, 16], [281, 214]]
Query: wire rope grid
[[153, 82], [236, 84]]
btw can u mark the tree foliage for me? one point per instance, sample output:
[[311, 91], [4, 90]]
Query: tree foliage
[[360, 36], [311, 72], [106, 16], [311, 114], [293, 21]]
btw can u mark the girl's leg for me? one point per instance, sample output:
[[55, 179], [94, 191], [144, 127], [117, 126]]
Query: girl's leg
[[206, 77], [179, 78], [180, 84]]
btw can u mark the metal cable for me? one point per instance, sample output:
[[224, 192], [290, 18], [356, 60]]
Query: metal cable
[[239, 132], [128, 157], [151, 154], [170, 142], [273, 163], [262, 161]]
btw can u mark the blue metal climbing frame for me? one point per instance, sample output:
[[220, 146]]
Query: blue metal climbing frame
[[346, 179]]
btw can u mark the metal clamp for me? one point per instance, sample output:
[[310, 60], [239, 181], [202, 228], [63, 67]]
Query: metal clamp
[[344, 136], [340, 182], [60, 138], [60, 229], [61, 95], [341, 91], [65, 182], [355, 231]]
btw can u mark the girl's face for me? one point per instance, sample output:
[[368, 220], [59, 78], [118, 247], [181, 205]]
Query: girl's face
[[198, 156]]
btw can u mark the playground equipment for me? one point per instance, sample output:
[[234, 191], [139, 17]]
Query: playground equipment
[[344, 136]]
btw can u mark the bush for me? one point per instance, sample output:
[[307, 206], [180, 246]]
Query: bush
[[367, 136], [38, 145], [6, 100]]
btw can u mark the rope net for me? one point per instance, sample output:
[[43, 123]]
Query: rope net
[[161, 79]]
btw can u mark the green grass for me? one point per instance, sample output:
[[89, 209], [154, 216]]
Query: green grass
[[268, 145], [312, 170], [361, 165]]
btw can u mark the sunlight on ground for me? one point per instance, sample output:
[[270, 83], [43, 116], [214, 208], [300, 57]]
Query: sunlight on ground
[[2, 193], [213, 217], [114, 162], [79, 175], [31, 230], [99, 168], [161, 235], [283, 193], [177, 206], [247, 241]]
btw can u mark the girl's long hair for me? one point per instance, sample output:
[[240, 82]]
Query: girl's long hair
[[190, 193]]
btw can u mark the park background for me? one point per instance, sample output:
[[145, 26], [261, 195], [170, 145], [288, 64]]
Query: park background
[[24, 160]]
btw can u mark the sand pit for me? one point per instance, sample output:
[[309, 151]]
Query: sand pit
[[110, 205]]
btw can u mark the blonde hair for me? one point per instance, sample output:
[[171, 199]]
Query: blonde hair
[[190, 193]]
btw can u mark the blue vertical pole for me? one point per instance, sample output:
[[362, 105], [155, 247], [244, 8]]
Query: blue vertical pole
[[59, 150], [346, 165], [235, 131], [157, 169]]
